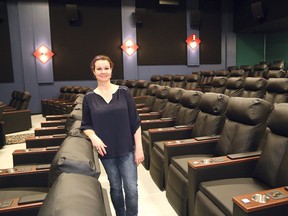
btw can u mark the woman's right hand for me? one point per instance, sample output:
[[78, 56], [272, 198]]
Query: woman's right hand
[[100, 146]]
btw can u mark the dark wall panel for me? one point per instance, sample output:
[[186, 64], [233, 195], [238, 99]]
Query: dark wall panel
[[6, 69], [97, 31], [210, 31], [161, 37]]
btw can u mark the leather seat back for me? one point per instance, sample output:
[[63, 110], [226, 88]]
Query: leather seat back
[[178, 81], [245, 125], [234, 67], [24, 101], [234, 86], [151, 92], [207, 77], [259, 70], [237, 73], [167, 80], [141, 87], [247, 70], [271, 168], [157, 79], [254, 87], [277, 90], [13, 99], [173, 105], [131, 84], [189, 109], [161, 98], [192, 81], [211, 117], [222, 73], [218, 84]]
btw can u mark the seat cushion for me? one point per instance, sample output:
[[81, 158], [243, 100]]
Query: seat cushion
[[220, 192], [180, 162]]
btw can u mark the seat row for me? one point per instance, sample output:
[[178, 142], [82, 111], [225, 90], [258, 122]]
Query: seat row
[[65, 101], [64, 184], [210, 141]]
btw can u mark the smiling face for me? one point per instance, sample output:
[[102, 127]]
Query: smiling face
[[102, 70]]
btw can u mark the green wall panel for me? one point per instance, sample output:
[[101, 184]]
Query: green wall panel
[[250, 48], [277, 46]]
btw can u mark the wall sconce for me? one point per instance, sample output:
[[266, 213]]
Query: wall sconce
[[129, 47], [43, 54], [193, 41]]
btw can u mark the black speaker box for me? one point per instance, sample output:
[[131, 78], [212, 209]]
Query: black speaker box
[[257, 10], [72, 13], [195, 18], [138, 16]]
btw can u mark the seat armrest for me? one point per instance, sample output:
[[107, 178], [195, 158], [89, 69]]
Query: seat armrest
[[169, 133], [24, 176], [50, 130], [44, 141], [53, 123], [150, 115], [56, 117], [217, 168], [157, 123], [245, 205], [144, 110], [187, 147]]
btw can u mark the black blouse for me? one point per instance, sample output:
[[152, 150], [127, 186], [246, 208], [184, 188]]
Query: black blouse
[[115, 123]]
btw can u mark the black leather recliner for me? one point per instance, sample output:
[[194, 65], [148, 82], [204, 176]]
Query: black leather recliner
[[75, 194], [170, 109], [218, 84], [242, 132], [234, 86], [192, 81], [178, 81], [186, 116], [208, 122], [241, 179], [149, 99], [277, 90], [254, 87]]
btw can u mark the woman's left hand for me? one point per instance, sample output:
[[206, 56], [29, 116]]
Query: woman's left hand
[[139, 156]]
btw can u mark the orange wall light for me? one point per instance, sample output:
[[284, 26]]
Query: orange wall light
[[129, 47], [43, 54], [193, 41]]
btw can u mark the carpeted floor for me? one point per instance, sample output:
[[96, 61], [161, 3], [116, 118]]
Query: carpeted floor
[[19, 138]]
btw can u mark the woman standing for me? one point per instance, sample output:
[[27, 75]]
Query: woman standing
[[112, 123]]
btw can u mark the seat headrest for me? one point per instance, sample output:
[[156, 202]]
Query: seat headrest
[[191, 99], [246, 67], [213, 103], [236, 73], [152, 89], [162, 92], [276, 74], [193, 77], [222, 73], [167, 77], [131, 83], [230, 68], [259, 67], [156, 78], [142, 84], [277, 65], [235, 82], [219, 81], [254, 83], [256, 110], [175, 94], [277, 85], [278, 122], [208, 73], [179, 78]]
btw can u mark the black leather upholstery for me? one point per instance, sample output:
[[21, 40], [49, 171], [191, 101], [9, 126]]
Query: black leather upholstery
[[218, 84], [75, 194], [215, 197], [248, 69], [167, 80], [277, 90], [242, 132], [192, 81], [234, 86], [254, 87], [237, 73], [209, 121], [178, 81]]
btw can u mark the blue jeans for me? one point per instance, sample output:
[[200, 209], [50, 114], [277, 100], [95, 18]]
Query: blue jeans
[[123, 171]]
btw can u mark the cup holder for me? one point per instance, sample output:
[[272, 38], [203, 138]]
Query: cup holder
[[260, 198]]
